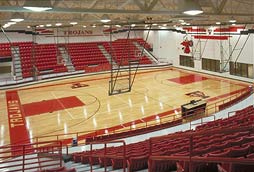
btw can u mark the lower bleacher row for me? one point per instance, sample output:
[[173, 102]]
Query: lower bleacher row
[[230, 143], [59, 169]]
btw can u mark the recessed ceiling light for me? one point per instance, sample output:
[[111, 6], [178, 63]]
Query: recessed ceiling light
[[41, 25], [164, 25], [154, 24], [105, 18], [84, 26], [118, 25], [37, 6], [48, 25], [232, 21], [58, 24], [11, 23], [17, 19], [218, 23], [73, 23], [233, 24], [106, 26], [193, 12], [188, 24], [191, 7], [94, 26], [28, 27], [38, 9], [133, 25], [6, 25]]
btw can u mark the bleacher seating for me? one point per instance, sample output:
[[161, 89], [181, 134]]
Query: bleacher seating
[[5, 50], [237, 145], [45, 59], [84, 56], [88, 57], [59, 169], [123, 51]]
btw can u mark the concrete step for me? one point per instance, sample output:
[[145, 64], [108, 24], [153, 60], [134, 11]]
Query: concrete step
[[17, 63], [18, 74], [19, 77], [18, 70], [17, 66], [106, 54]]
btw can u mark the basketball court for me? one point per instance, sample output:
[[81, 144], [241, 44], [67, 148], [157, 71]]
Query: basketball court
[[82, 104]]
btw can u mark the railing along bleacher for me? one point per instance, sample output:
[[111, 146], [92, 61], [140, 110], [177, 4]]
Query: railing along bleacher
[[34, 156]]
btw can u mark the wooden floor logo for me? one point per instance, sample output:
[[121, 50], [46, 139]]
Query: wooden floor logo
[[78, 85], [197, 94]]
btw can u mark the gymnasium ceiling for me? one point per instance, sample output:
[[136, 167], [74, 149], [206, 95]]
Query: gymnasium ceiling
[[89, 12]]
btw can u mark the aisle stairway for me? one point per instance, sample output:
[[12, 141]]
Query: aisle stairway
[[146, 53], [17, 69], [66, 57]]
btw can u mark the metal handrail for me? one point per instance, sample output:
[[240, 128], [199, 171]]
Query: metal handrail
[[16, 157]]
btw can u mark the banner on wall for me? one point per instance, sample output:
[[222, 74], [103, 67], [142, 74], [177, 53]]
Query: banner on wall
[[63, 32]]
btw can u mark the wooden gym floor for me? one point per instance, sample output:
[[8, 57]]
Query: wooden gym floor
[[58, 107]]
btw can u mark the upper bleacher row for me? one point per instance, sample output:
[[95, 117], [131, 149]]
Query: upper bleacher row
[[83, 56], [225, 142]]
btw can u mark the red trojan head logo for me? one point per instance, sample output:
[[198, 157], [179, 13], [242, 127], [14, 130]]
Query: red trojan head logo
[[186, 46]]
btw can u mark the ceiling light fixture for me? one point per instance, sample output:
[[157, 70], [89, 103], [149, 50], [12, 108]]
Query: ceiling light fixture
[[58, 24], [218, 23], [38, 6], [73, 23], [191, 7], [84, 26], [118, 25], [48, 25], [6, 25], [232, 20], [17, 17], [11, 23], [105, 18]]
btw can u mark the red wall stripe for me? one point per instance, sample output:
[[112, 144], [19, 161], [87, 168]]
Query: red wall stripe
[[211, 37]]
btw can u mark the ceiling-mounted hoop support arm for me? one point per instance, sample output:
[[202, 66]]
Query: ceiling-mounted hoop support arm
[[116, 77], [241, 49], [63, 45], [35, 71], [142, 53]]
